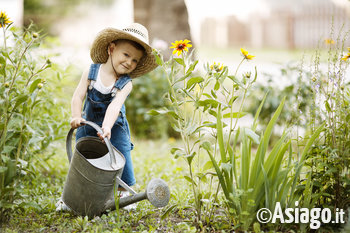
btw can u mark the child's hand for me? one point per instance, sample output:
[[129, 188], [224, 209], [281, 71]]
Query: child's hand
[[106, 133], [76, 122]]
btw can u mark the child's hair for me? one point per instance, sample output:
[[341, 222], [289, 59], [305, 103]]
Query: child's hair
[[133, 43]]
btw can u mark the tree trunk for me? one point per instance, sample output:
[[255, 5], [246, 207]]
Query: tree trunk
[[165, 20]]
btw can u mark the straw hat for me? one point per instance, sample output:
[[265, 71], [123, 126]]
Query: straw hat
[[135, 32]]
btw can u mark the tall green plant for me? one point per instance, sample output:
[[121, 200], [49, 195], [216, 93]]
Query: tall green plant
[[329, 161], [28, 112], [254, 180], [205, 110], [193, 100]]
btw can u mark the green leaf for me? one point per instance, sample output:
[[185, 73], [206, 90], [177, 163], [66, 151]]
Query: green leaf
[[190, 157], [3, 169], [181, 79], [19, 100], [311, 141], [209, 103], [255, 122], [252, 135], [213, 113], [208, 165], [192, 67], [180, 61], [34, 85], [235, 80], [245, 162], [220, 135], [193, 81], [178, 152], [263, 145], [328, 107], [8, 149], [213, 94], [154, 112], [190, 180], [207, 147], [233, 99], [217, 86], [159, 60], [175, 149], [168, 210], [256, 75], [235, 115], [11, 171], [227, 167]]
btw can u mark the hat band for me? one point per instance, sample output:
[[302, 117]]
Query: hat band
[[134, 31]]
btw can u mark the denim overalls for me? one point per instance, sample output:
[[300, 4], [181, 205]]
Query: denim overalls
[[95, 107]]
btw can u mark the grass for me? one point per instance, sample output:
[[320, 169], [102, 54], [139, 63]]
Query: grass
[[151, 159]]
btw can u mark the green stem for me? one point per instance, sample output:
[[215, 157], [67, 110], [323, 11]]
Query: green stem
[[18, 65], [215, 199], [239, 66], [197, 202], [5, 48], [4, 32], [4, 131], [42, 68], [240, 108]]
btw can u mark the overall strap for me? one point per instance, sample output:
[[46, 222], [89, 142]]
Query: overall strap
[[120, 83], [93, 72]]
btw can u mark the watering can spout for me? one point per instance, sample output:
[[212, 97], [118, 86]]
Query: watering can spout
[[157, 192]]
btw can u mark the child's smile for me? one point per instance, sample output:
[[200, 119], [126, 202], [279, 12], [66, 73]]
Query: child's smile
[[125, 57]]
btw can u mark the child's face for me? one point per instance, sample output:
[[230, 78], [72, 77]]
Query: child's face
[[125, 57]]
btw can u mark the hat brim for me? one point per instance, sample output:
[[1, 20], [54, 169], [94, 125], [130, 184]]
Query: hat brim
[[99, 50]]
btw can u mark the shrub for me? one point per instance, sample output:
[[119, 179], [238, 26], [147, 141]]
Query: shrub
[[329, 161], [148, 92], [30, 116]]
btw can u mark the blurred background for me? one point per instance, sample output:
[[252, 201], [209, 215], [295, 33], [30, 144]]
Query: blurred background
[[213, 26], [276, 32]]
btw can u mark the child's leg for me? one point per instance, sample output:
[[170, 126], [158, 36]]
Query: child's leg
[[121, 140]]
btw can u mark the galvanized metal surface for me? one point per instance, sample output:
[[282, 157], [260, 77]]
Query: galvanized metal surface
[[94, 174], [87, 187]]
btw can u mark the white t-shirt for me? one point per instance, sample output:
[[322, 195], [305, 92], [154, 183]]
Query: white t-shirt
[[100, 87]]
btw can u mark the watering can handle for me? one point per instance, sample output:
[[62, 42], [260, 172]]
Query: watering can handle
[[99, 130]]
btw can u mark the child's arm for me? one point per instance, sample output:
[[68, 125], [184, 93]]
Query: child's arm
[[77, 100], [113, 110]]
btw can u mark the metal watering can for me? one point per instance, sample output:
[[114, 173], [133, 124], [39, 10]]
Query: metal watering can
[[89, 189]]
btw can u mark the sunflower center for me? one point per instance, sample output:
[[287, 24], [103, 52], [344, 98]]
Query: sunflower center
[[181, 46]]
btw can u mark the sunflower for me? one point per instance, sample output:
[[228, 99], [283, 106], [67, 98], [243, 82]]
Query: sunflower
[[217, 67], [181, 45], [246, 55], [329, 41], [347, 56], [4, 20]]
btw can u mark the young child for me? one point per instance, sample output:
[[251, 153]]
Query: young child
[[118, 56]]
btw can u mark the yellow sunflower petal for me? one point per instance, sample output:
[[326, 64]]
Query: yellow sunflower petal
[[346, 57], [250, 57], [244, 52]]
